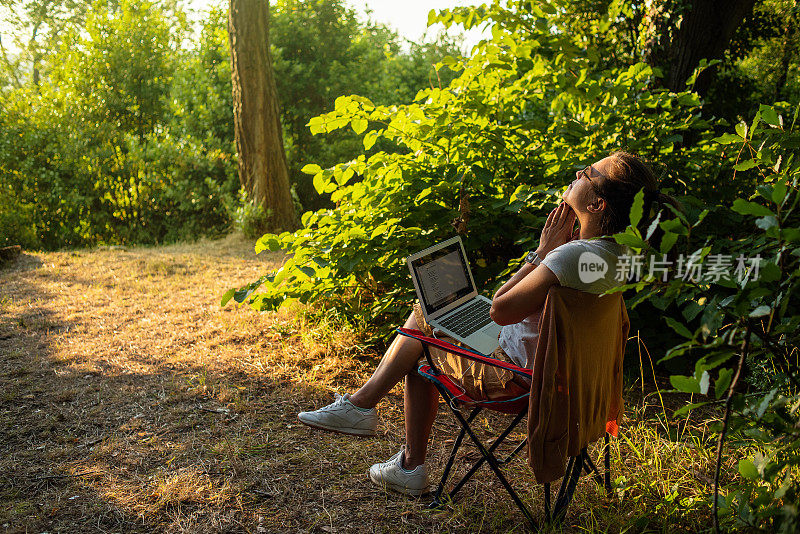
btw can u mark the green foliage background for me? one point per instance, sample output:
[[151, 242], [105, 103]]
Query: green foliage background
[[128, 135]]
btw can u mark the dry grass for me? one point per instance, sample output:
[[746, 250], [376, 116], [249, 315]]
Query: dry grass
[[131, 402]]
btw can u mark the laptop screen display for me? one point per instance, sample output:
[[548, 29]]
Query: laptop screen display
[[443, 277]]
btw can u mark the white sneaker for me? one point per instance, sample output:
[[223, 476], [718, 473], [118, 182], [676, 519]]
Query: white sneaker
[[342, 416], [393, 476]]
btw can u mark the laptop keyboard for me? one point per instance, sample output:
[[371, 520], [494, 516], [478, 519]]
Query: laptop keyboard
[[469, 319]]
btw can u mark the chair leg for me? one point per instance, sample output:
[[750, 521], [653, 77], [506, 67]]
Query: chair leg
[[560, 509], [492, 461], [547, 502], [608, 466], [563, 487], [480, 461], [591, 469], [437, 497], [514, 452]]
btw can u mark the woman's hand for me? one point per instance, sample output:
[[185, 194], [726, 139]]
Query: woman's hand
[[557, 229]]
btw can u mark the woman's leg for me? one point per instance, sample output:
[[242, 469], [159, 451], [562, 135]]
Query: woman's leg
[[420, 398], [421, 402], [400, 360]]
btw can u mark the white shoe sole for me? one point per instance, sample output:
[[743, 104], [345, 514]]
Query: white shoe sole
[[401, 489], [340, 430]]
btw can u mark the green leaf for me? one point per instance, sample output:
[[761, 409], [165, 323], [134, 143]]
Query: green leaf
[[770, 116], [745, 165], [267, 242], [366, 102], [667, 242], [316, 125], [683, 410], [344, 176], [319, 183], [227, 296], [741, 130], [705, 379], [686, 384], [779, 193], [691, 310], [722, 382], [242, 294], [769, 271], [678, 327], [750, 208], [791, 234], [700, 217], [636, 208], [630, 240], [765, 223], [359, 125], [433, 17], [341, 102], [689, 99], [747, 469], [308, 271], [674, 225], [311, 168], [380, 229], [653, 226], [761, 311], [727, 139], [369, 139]]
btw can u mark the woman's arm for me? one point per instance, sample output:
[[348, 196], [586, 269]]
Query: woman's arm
[[522, 273], [525, 292], [525, 298]]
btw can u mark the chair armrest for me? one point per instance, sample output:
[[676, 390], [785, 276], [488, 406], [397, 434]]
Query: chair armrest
[[464, 352]]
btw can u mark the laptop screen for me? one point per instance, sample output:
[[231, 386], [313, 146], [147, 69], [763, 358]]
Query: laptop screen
[[443, 277]]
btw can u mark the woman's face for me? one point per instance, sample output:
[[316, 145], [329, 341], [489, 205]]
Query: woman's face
[[582, 191]]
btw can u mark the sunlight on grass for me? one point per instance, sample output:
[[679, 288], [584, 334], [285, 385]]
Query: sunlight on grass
[[186, 486]]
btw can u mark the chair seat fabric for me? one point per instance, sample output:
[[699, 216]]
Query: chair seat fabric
[[510, 401]]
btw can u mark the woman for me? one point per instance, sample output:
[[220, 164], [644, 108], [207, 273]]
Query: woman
[[600, 199]]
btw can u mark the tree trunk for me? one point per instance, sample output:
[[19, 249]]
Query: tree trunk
[[787, 52], [259, 140], [680, 34], [35, 56]]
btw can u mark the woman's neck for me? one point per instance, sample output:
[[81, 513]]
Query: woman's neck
[[589, 231]]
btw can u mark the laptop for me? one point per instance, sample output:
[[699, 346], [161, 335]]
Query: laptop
[[448, 296]]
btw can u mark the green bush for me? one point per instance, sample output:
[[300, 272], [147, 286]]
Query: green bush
[[16, 220], [527, 109], [248, 217], [740, 326]]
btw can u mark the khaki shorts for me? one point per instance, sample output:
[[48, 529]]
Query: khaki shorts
[[480, 381]]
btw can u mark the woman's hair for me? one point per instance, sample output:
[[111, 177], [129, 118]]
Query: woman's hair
[[625, 176]]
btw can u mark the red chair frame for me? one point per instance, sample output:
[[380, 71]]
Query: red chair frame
[[455, 398]]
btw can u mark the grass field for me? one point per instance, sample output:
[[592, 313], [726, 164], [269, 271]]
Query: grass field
[[130, 401]]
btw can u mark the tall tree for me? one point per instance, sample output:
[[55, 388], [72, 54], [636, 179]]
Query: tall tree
[[37, 27], [259, 140], [682, 32]]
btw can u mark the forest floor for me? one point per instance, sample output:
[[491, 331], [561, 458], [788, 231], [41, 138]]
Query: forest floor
[[130, 401]]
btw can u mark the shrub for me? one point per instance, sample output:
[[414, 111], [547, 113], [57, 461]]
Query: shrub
[[492, 150], [739, 322]]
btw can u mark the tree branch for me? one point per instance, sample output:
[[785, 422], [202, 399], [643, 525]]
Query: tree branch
[[9, 66], [728, 402]]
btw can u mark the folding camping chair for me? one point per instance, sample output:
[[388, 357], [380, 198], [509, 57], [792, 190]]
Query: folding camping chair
[[456, 398]]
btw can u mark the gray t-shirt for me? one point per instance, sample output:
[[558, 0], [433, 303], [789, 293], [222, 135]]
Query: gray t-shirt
[[585, 264]]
